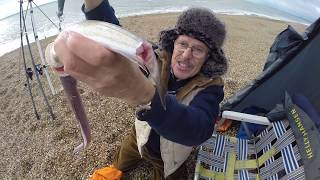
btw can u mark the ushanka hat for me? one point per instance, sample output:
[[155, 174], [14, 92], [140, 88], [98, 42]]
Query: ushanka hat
[[203, 25]]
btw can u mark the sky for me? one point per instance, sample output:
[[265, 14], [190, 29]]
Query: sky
[[300, 8]]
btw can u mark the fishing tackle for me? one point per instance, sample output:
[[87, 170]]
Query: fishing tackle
[[24, 62], [35, 68], [29, 72]]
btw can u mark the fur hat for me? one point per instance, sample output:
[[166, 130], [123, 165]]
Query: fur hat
[[203, 25]]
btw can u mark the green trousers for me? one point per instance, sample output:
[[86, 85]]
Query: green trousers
[[127, 157]]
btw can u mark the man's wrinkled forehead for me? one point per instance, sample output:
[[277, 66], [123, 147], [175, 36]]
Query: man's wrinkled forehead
[[192, 41]]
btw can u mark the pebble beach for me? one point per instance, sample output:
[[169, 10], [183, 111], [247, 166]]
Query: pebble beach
[[43, 149]]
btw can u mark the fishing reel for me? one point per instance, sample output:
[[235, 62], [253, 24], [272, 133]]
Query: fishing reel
[[39, 70]]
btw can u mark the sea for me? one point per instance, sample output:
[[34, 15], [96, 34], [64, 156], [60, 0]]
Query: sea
[[46, 21]]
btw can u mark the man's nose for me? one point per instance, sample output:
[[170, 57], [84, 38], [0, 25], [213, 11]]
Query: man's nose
[[187, 53]]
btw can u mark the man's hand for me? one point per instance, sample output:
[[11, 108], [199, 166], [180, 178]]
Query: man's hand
[[91, 4], [106, 72]]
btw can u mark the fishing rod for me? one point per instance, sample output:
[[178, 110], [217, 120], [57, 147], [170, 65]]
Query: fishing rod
[[40, 50], [24, 62], [35, 67]]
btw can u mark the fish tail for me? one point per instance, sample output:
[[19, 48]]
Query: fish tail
[[70, 87]]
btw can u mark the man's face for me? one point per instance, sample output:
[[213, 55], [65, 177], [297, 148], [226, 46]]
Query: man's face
[[188, 56]]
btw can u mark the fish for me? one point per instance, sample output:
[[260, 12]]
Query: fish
[[120, 41]]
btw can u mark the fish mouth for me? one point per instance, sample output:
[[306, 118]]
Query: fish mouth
[[53, 60], [152, 66]]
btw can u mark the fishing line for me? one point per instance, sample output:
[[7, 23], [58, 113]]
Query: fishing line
[[26, 11], [45, 14], [60, 22]]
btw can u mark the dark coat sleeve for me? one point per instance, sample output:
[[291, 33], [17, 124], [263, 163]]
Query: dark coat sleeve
[[188, 125], [103, 12]]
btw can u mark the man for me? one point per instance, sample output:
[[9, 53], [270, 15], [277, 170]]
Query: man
[[164, 138]]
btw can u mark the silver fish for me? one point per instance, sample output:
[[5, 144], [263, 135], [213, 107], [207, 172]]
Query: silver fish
[[119, 41]]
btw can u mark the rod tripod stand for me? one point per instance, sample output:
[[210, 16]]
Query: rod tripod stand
[[37, 69]]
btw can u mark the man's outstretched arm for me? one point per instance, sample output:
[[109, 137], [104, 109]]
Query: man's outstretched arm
[[99, 10]]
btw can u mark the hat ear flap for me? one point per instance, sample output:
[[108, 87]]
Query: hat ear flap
[[216, 64], [167, 38]]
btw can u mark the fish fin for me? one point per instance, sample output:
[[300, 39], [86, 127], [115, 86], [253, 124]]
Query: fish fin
[[79, 148]]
